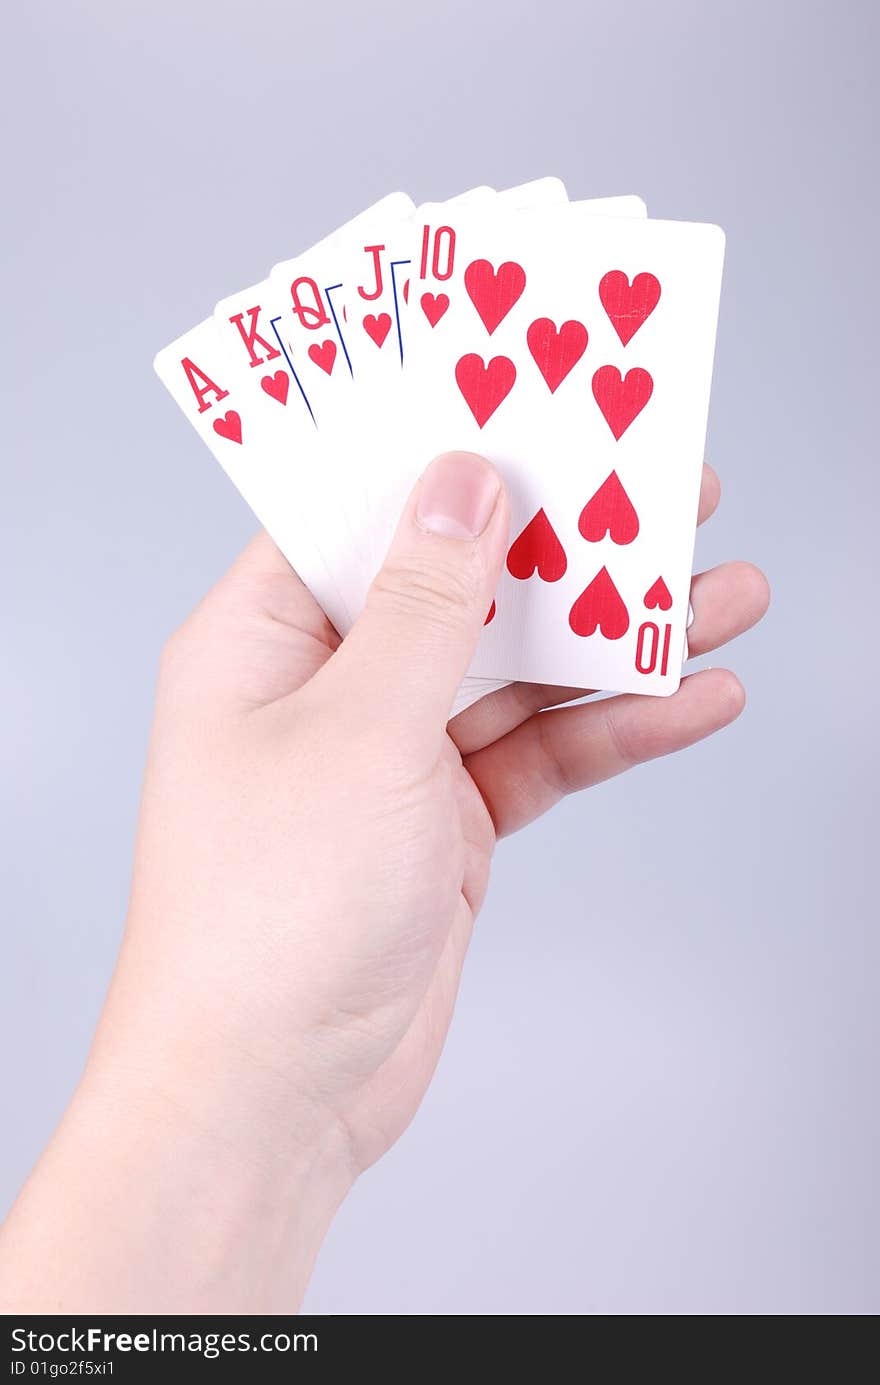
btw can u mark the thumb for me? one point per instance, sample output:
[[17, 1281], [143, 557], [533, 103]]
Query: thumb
[[410, 648]]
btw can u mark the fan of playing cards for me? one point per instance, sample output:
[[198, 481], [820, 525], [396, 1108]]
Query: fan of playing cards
[[571, 343]]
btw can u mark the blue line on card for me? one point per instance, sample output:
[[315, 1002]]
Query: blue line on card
[[290, 367], [394, 264], [331, 289]]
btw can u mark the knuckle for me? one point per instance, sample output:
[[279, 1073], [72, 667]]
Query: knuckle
[[554, 768], [622, 739], [443, 592]]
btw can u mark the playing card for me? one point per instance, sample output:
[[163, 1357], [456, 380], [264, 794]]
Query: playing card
[[324, 390], [584, 374], [315, 302], [232, 415], [288, 326], [387, 394], [374, 292], [370, 294], [379, 382]]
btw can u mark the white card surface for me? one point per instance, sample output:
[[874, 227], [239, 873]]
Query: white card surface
[[570, 343], [233, 416], [592, 610], [296, 311]]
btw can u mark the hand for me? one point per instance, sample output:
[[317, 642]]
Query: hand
[[314, 846]]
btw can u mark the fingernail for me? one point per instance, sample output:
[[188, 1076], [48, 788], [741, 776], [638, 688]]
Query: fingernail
[[458, 495]]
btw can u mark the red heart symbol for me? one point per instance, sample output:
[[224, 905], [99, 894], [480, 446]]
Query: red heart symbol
[[554, 352], [537, 550], [658, 595], [628, 304], [600, 607], [491, 615], [323, 355], [434, 305], [229, 426], [610, 512], [377, 328], [277, 385], [621, 399], [484, 386], [494, 292]]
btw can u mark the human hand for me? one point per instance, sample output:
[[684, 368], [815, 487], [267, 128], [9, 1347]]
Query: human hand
[[314, 845]]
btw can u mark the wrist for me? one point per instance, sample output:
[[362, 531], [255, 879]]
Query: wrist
[[189, 1187], [238, 1176]]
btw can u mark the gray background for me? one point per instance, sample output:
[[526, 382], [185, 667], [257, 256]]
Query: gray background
[[660, 1091]]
